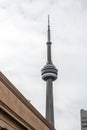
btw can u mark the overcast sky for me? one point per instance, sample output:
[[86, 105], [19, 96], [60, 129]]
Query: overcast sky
[[23, 36]]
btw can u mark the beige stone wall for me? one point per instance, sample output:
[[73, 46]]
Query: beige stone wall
[[7, 122], [20, 110]]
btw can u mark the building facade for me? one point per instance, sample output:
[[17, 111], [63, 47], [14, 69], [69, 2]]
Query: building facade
[[16, 112], [83, 114]]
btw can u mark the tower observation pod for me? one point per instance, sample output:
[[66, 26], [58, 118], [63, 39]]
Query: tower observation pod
[[49, 74]]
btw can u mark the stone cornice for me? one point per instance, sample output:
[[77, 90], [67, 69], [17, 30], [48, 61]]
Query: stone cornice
[[16, 92], [5, 108]]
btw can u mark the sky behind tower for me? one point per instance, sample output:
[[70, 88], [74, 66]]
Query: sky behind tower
[[23, 36]]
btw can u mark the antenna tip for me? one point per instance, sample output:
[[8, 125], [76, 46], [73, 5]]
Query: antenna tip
[[48, 28], [48, 20]]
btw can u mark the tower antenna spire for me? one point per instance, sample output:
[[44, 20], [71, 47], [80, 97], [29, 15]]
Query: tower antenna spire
[[48, 28]]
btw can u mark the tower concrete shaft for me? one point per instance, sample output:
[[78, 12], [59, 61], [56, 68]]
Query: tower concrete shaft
[[49, 102], [49, 74], [49, 53]]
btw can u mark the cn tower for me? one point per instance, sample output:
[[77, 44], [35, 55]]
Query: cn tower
[[49, 74]]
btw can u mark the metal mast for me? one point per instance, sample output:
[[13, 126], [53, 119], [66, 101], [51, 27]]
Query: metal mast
[[49, 74]]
